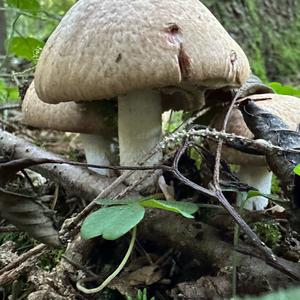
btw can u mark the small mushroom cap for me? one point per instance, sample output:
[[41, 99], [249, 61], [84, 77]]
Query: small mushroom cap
[[71, 116], [102, 49], [286, 107]]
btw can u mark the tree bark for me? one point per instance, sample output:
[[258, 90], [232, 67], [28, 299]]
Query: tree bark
[[77, 181], [268, 31], [2, 30]]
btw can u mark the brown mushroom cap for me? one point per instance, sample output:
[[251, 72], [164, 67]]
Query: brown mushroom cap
[[72, 117], [286, 107], [106, 48]]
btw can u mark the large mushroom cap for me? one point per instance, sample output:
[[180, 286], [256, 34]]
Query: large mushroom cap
[[286, 107], [71, 116], [106, 48]]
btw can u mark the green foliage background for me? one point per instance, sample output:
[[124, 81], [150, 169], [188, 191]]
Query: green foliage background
[[269, 33]]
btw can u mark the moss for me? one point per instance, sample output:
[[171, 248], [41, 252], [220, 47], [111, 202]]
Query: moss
[[268, 232], [269, 33]]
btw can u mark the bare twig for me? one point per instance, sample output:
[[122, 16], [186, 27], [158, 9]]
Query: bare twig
[[5, 229], [39, 249], [9, 106], [217, 193], [216, 176]]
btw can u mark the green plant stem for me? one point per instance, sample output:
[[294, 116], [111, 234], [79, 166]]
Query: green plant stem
[[13, 28], [48, 16], [114, 274]]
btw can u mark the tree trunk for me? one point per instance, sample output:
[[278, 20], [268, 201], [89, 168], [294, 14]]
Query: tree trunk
[[268, 31], [2, 29]]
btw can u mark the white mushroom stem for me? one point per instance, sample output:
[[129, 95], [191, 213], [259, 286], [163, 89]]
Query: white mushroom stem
[[260, 178], [139, 125], [97, 149]]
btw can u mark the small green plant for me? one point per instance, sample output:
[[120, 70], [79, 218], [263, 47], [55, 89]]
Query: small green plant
[[25, 47], [140, 295], [297, 170], [7, 92], [175, 119], [284, 89], [119, 217], [268, 232], [50, 259]]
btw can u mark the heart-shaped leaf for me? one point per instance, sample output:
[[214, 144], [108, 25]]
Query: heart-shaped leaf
[[112, 222]]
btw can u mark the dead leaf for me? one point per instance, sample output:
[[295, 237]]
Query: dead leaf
[[29, 215], [270, 127]]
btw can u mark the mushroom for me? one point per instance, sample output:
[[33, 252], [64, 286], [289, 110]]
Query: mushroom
[[82, 118], [138, 51], [253, 168]]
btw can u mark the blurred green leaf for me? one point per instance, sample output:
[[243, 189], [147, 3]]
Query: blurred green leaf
[[25, 47], [3, 91], [12, 93], [297, 170], [175, 119], [284, 89], [27, 5], [112, 222], [8, 93]]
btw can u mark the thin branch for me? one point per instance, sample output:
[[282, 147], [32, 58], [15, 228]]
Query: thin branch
[[216, 176], [4, 229], [9, 106], [36, 250], [217, 193]]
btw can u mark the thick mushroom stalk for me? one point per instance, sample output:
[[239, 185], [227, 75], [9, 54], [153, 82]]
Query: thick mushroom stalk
[[259, 178], [139, 119], [97, 149]]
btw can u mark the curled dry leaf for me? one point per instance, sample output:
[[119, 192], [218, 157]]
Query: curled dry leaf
[[28, 214], [270, 127]]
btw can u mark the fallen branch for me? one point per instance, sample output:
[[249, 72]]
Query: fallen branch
[[204, 243], [77, 181]]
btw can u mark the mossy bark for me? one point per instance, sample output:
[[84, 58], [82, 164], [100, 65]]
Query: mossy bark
[[268, 31], [2, 29]]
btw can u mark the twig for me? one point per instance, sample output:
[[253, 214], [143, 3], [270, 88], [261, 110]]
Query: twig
[[216, 176], [4, 229], [217, 193], [192, 119], [80, 267], [9, 106], [39, 249]]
